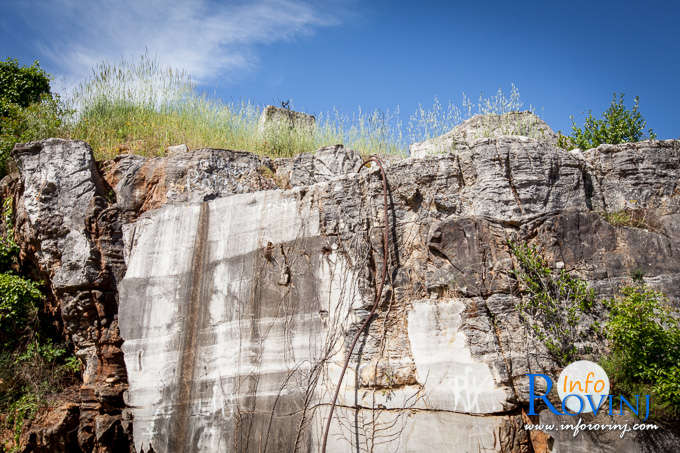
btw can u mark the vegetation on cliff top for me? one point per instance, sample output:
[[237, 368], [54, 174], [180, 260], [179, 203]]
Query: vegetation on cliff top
[[21, 85], [618, 125], [141, 107], [27, 108]]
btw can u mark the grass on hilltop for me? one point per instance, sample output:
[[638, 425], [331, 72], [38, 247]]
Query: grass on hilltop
[[142, 108]]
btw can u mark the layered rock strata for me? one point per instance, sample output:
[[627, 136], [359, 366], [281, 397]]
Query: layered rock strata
[[245, 278]]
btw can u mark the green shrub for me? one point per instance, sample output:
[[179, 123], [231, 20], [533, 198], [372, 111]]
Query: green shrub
[[19, 412], [644, 338], [21, 85], [556, 305], [28, 111], [19, 297], [642, 332], [8, 247], [618, 125], [37, 121], [18, 305], [31, 374], [33, 365]]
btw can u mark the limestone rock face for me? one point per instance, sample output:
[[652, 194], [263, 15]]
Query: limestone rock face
[[140, 184], [245, 279], [71, 231], [524, 124], [325, 164]]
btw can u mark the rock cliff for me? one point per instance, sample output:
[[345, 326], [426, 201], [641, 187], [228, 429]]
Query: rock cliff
[[212, 294]]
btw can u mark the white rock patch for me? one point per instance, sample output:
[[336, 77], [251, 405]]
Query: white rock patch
[[452, 378]]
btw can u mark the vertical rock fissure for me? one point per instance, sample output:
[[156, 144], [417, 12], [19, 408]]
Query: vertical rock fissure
[[179, 438], [505, 163]]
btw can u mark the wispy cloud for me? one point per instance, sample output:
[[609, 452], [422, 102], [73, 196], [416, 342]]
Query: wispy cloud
[[209, 39]]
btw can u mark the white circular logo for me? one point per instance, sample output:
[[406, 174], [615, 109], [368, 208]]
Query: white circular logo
[[585, 386]]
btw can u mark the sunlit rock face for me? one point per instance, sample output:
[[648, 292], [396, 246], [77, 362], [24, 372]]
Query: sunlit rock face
[[277, 118], [220, 311], [228, 309], [245, 279], [69, 232], [525, 124], [451, 377]]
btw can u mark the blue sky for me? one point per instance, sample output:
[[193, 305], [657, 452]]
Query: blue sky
[[565, 57]]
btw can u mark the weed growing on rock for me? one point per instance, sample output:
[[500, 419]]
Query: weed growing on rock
[[626, 218], [439, 119], [556, 306]]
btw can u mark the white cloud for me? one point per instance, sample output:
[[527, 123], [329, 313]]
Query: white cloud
[[207, 38]]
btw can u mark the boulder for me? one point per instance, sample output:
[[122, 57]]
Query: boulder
[[273, 118], [525, 124]]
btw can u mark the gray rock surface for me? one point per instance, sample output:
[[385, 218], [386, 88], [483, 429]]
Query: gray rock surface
[[323, 165], [245, 279], [524, 124], [141, 184], [276, 117], [71, 232], [176, 149]]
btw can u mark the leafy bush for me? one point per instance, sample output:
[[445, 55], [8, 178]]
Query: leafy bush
[[642, 332], [18, 304], [18, 412], [21, 86], [27, 109], [8, 248], [30, 375], [18, 296], [644, 338], [39, 120], [33, 366], [556, 305], [618, 125]]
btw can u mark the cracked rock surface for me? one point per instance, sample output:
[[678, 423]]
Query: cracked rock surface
[[221, 289]]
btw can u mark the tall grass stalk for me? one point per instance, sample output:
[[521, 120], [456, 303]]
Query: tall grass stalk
[[141, 107]]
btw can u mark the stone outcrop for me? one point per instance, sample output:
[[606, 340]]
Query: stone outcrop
[[277, 117], [245, 278], [69, 228], [525, 124]]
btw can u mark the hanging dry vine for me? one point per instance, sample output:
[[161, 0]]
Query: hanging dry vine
[[378, 296]]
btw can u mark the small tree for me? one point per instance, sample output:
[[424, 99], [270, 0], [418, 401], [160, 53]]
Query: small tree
[[21, 85], [28, 110], [618, 125]]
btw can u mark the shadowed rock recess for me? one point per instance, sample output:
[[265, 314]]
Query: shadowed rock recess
[[212, 294]]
